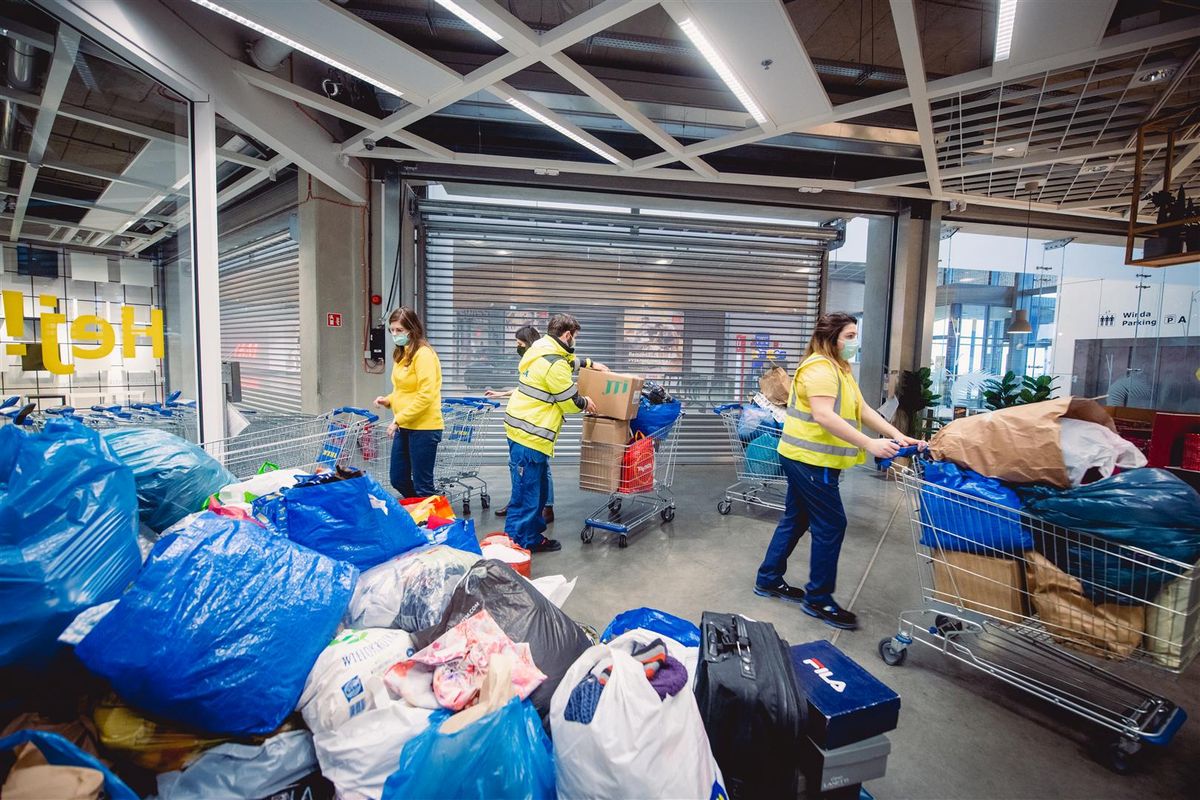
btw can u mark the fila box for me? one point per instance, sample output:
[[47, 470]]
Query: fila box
[[616, 394], [846, 704]]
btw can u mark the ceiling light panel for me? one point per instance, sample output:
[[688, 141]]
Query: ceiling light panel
[[295, 45], [469, 18], [565, 131], [1005, 17], [689, 27]]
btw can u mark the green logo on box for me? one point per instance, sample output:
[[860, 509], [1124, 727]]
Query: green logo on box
[[616, 387]]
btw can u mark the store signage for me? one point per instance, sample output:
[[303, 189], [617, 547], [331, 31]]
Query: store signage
[[333, 320], [1136, 319], [91, 336]]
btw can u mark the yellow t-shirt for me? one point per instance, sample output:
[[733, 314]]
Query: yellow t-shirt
[[820, 379], [417, 392]]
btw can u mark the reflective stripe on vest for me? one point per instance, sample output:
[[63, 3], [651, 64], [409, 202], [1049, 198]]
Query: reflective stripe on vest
[[530, 428]]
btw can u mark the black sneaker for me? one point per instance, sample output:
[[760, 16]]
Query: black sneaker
[[832, 614], [501, 512], [546, 546], [791, 594]]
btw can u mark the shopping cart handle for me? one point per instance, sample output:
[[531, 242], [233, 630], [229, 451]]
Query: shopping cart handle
[[9, 402], [61, 411], [22, 417], [482, 401], [106, 409], [1172, 726], [884, 464], [727, 407], [173, 396], [362, 412]]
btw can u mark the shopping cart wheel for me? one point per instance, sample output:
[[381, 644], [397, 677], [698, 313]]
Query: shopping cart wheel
[[724, 507], [614, 505], [485, 501], [668, 513], [623, 541], [1119, 754], [586, 535], [943, 625], [890, 655], [466, 508]]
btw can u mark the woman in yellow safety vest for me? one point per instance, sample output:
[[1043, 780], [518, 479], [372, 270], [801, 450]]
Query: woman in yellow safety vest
[[416, 403], [822, 436]]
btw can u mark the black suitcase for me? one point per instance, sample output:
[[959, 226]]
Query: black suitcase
[[751, 705]]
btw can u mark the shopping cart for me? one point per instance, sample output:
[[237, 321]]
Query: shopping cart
[[760, 478], [637, 478], [460, 453], [1040, 607], [12, 412], [342, 437]]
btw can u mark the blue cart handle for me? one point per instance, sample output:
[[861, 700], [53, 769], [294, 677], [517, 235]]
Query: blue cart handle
[[482, 401], [61, 411], [9, 402], [107, 409], [173, 396], [361, 412], [727, 407]]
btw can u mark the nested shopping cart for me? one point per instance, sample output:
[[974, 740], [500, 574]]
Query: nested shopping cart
[[637, 478], [342, 437], [760, 478], [1046, 609]]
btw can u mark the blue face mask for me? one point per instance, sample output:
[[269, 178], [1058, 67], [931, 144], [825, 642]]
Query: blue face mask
[[401, 339]]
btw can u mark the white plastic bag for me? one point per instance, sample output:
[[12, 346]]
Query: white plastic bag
[[336, 689], [1086, 445], [243, 493], [243, 771], [636, 745], [688, 656], [555, 588], [409, 592], [359, 756]]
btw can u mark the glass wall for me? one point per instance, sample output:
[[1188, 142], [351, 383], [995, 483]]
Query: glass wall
[[95, 158], [1124, 335]]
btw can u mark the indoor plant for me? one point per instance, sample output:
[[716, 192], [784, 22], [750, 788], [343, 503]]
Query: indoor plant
[[1012, 391]]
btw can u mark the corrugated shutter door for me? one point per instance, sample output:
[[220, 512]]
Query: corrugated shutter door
[[696, 305], [260, 320]]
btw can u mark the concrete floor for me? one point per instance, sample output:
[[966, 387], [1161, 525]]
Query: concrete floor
[[962, 734]]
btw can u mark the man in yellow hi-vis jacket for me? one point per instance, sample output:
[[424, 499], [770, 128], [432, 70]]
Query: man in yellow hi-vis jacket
[[545, 392]]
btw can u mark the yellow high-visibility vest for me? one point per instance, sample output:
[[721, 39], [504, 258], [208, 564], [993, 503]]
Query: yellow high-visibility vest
[[546, 390], [803, 439]]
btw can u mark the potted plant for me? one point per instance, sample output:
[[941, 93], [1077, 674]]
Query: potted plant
[[915, 394], [1012, 391], [1171, 208]]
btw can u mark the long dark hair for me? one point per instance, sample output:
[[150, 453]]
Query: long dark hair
[[410, 322], [824, 340], [527, 335]]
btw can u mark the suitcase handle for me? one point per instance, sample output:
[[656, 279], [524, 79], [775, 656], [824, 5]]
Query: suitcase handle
[[720, 644]]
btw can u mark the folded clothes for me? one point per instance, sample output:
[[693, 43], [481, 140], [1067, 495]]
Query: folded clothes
[[651, 655], [667, 676], [670, 678]]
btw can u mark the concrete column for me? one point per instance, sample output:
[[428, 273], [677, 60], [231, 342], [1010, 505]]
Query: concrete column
[[880, 236], [914, 291], [334, 265]]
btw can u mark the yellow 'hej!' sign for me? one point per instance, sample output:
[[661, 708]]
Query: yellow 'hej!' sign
[[91, 336]]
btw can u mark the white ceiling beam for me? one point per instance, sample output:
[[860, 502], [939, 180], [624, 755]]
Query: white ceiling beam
[[75, 202], [156, 39], [506, 93], [596, 19], [904, 17], [319, 102], [146, 208], [33, 220], [62, 62], [87, 172]]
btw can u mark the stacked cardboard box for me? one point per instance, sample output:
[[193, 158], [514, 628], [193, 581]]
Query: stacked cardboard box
[[605, 435]]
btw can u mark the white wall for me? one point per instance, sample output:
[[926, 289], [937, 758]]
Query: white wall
[[845, 296]]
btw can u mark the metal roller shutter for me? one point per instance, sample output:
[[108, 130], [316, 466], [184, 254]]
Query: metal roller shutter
[[260, 320], [696, 305]]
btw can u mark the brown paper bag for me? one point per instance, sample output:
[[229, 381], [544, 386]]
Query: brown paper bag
[[776, 385], [1019, 444], [991, 586], [1108, 629], [32, 778]]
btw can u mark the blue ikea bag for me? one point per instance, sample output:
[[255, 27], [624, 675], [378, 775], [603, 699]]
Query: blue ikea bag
[[59, 752], [68, 533], [962, 510], [221, 627], [347, 516], [654, 417], [174, 477], [504, 756], [762, 456], [459, 534], [651, 619]]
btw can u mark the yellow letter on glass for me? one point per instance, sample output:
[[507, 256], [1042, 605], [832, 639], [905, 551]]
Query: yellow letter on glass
[[130, 331], [103, 335]]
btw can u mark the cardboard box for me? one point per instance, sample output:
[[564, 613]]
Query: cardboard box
[[991, 586], [846, 704], [616, 395], [601, 453]]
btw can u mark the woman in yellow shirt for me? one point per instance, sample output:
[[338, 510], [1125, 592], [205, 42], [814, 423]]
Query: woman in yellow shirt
[[416, 403]]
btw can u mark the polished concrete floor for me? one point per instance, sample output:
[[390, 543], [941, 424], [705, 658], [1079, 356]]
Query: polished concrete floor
[[962, 734]]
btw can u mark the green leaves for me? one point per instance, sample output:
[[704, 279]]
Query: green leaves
[[1012, 391]]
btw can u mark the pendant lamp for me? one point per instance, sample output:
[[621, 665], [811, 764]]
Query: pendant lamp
[[1019, 326]]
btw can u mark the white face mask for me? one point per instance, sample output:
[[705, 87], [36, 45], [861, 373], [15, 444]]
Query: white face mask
[[850, 350]]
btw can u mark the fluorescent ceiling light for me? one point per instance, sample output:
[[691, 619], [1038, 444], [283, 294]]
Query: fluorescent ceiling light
[[1004, 29], [292, 43], [710, 54], [469, 18], [570, 134]]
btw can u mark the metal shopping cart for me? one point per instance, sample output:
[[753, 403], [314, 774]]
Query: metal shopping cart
[[343, 437], [1040, 608], [760, 478], [637, 478]]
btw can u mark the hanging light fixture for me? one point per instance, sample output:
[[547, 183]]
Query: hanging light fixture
[[1019, 326]]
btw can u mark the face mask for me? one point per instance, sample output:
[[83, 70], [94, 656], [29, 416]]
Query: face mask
[[521, 349], [401, 339], [849, 350]]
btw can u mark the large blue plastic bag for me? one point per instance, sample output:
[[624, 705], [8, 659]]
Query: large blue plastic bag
[[1149, 509], [221, 627], [348, 518], [174, 477], [762, 456], [68, 533], [962, 510], [59, 752], [651, 619], [504, 756], [654, 417], [459, 534]]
